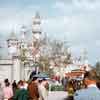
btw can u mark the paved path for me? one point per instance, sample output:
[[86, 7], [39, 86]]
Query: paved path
[[58, 95]]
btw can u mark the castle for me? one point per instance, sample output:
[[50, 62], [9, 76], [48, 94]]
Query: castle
[[22, 52], [25, 52]]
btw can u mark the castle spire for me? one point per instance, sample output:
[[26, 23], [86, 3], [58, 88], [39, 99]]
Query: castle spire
[[23, 32], [13, 36], [84, 56], [12, 40], [37, 15], [36, 27]]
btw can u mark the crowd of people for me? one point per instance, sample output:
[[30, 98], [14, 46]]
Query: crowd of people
[[37, 89], [86, 89]]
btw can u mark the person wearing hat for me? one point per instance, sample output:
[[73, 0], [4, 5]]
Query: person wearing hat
[[91, 92], [33, 89]]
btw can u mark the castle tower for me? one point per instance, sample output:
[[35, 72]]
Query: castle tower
[[84, 56], [36, 30], [23, 43], [36, 27], [12, 43], [84, 59], [23, 32], [13, 47]]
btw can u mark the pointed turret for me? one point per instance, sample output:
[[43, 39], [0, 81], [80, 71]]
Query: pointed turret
[[23, 32], [12, 40], [23, 41], [37, 18], [12, 36], [84, 56]]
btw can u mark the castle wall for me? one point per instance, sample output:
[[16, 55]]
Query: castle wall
[[16, 69], [6, 69], [10, 69]]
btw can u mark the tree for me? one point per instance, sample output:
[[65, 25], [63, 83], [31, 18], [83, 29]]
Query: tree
[[68, 59], [23, 55], [98, 69], [44, 61]]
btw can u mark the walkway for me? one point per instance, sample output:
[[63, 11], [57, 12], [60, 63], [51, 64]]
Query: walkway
[[58, 95]]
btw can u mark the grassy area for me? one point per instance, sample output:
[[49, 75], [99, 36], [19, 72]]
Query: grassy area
[[57, 88]]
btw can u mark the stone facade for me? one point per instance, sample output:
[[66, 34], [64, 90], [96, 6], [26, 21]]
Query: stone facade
[[21, 51], [8, 69]]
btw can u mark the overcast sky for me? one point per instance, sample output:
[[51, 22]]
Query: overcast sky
[[77, 21]]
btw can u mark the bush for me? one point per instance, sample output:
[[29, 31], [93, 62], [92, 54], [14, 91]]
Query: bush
[[57, 88]]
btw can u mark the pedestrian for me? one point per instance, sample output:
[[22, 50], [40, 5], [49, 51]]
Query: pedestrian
[[25, 85], [8, 92], [39, 89], [33, 89], [1, 93], [14, 87], [70, 90], [21, 92], [98, 84], [89, 93], [43, 90], [64, 82]]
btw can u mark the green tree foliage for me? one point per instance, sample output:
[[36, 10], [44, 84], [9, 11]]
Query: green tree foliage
[[44, 61], [23, 55], [68, 59], [98, 69]]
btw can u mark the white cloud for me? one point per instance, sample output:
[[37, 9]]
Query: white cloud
[[79, 5], [14, 18], [83, 27], [75, 28]]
